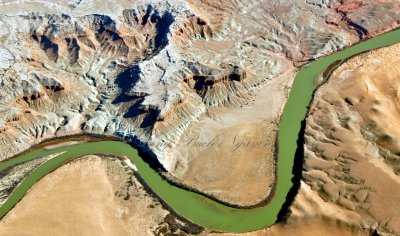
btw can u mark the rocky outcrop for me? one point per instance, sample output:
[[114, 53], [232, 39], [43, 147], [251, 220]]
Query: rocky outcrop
[[155, 72]]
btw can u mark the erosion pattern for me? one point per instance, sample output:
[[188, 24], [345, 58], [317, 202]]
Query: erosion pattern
[[191, 82], [352, 147]]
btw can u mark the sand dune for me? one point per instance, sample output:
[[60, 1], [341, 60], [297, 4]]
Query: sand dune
[[352, 156]]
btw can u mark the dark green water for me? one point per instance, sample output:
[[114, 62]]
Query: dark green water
[[196, 208]]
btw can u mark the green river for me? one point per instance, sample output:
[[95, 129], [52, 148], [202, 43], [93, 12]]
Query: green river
[[194, 207]]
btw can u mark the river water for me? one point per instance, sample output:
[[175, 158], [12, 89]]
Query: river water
[[194, 207]]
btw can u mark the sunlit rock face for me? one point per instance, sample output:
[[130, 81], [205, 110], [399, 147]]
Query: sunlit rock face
[[162, 73]]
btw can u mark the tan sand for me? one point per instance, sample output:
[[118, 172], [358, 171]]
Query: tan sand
[[351, 168], [85, 197]]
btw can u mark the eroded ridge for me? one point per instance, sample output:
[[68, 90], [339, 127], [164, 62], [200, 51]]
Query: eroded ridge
[[171, 76]]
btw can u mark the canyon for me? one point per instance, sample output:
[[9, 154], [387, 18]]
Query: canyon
[[158, 74]]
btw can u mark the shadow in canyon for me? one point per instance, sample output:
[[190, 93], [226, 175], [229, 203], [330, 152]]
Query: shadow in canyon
[[297, 175], [125, 81]]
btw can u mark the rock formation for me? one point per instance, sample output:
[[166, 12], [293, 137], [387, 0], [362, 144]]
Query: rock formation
[[160, 73]]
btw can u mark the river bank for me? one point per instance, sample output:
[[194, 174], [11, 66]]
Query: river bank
[[197, 208]]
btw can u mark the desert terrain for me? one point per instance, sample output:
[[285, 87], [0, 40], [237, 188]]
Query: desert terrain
[[92, 195], [159, 74], [352, 145], [200, 86], [100, 195]]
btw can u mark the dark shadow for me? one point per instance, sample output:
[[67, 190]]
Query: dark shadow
[[375, 233], [362, 32], [297, 175], [162, 25], [149, 119], [151, 160], [125, 82], [134, 110], [201, 82], [145, 153], [100, 21], [49, 47], [147, 15]]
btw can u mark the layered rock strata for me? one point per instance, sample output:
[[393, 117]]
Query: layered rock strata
[[162, 73]]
